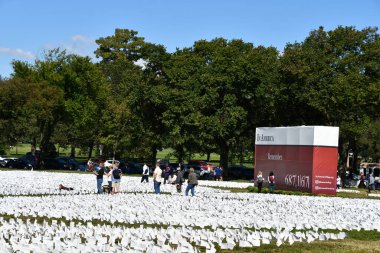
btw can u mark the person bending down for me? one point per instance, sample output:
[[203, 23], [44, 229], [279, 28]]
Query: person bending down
[[62, 187]]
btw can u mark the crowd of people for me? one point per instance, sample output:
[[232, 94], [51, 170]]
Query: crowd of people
[[166, 176], [163, 176], [114, 176]]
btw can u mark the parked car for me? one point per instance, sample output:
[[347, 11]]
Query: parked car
[[5, 161], [107, 163], [19, 164], [202, 169], [133, 168], [240, 172], [2, 161], [198, 165], [54, 164], [353, 180], [72, 163], [31, 159]]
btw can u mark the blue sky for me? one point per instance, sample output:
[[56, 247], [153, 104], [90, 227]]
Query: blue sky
[[28, 27]]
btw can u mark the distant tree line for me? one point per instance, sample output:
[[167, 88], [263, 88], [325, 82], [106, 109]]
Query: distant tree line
[[139, 98]]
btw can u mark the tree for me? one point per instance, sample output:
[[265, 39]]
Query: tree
[[220, 85], [332, 78], [135, 69], [27, 110], [84, 92]]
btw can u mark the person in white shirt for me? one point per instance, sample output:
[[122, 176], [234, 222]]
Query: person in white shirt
[[157, 179], [338, 182], [145, 173], [109, 178], [172, 178]]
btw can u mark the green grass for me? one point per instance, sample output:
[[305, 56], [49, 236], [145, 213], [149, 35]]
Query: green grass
[[22, 148], [335, 246], [168, 154]]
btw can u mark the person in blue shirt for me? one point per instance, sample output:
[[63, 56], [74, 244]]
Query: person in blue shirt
[[218, 173]]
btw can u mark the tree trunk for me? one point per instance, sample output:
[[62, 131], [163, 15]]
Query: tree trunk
[[72, 153], [342, 162], [154, 156], [208, 155], [46, 133], [33, 147], [224, 156], [180, 153], [91, 147], [353, 147], [241, 153]]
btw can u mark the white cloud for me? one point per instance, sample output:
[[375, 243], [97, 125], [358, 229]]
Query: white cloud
[[77, 44], [82, 39], [17, 53]]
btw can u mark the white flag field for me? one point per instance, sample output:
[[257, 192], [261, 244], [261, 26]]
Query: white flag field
[[36, 216]]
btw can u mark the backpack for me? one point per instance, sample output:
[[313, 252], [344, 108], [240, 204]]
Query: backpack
[[116, 173], [146, 171]]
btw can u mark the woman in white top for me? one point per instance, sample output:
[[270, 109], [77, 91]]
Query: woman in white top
[[157, 179]]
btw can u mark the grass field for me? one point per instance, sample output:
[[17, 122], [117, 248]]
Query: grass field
[[21, 149]]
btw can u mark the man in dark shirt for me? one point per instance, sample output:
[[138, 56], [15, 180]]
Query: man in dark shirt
[[99, 177]]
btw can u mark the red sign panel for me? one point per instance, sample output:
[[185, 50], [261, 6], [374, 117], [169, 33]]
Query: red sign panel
[[309, 169]]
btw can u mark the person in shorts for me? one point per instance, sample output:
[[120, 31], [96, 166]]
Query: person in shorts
[[116, 178]]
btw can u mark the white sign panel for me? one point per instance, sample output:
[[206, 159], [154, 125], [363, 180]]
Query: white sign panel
[[298, 136]]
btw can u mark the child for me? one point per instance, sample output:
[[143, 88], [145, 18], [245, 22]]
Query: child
[[271, 182], [260, 180]]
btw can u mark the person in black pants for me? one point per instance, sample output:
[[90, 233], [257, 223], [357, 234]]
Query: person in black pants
[[260, 180], [145, 174]]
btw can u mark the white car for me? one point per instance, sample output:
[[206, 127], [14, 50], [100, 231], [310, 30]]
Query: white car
[[109, 162]]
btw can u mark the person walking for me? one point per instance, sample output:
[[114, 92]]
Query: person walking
[[116, 178], [371, 183], [157, 179], [179, 180], [260, 180], [192, 181], [271, 182], [145, 174], [99, 177]]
